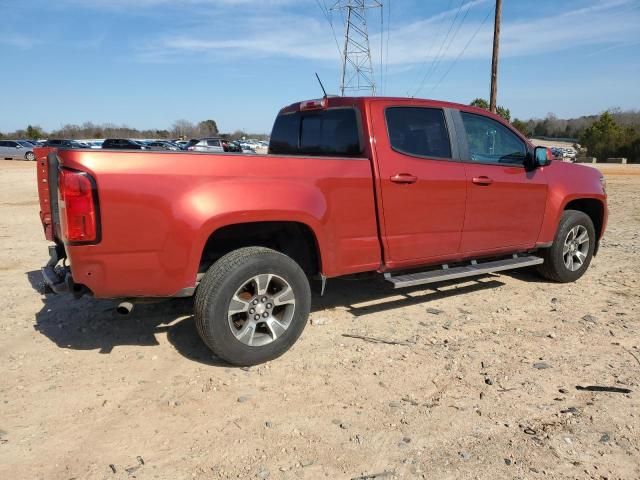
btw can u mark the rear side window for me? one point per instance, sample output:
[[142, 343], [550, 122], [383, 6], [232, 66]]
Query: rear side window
[[285, 134], [213, 143], [418, 131], [332, 132]]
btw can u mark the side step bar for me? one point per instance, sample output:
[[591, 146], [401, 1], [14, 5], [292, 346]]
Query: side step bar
[[474, 269]]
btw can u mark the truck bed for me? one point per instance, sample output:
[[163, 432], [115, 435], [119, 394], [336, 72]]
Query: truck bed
[[157, 210]]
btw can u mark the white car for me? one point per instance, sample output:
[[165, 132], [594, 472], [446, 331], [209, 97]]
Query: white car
[[569, 153], [211, 145], [18, 149]]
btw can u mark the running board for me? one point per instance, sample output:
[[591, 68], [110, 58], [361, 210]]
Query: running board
[[474, 269]]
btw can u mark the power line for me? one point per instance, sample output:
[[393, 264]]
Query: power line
[[455, 34], [327, 16], [462, 51], [437, 57], [435, 38]]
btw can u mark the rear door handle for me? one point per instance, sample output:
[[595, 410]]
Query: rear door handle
[[482, 180], [404, 178]]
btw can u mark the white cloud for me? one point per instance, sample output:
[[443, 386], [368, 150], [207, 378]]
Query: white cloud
[[18, 40], [142, 4], [286, 35]]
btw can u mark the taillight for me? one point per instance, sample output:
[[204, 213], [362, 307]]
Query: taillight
[[79, 210]]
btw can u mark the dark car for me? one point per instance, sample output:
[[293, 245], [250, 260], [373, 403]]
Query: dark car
[[62, 143], [162, 145], [122, 144], [231, 146]]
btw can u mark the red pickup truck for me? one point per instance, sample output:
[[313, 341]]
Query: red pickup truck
[[420, 191]]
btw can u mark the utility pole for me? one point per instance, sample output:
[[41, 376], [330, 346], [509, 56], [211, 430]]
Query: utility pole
[[357, 70], [494, 61]]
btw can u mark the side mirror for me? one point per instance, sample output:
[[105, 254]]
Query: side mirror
[[541, 157], [18, 146]]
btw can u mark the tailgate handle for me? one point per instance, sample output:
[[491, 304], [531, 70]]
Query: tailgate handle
[[404, 178], [482, 180]]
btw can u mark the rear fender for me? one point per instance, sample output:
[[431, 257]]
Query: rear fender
[[253, 200]]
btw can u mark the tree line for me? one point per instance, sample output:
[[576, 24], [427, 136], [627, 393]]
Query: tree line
[[180, 129], [614, 133]]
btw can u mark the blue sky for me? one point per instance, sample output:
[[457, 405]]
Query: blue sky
[[147, 63]]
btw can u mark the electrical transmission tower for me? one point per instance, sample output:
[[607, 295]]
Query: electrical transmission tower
[[357, 68]]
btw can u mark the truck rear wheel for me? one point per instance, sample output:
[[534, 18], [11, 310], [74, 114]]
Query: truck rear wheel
[[570, 254], [252, 305]]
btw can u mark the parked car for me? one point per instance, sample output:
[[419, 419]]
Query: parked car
[[231, 146], [122, 144], [556, 153], [16, 149], [61, 143], [570, 154], [211, 145], [161, 145], [446, 191]]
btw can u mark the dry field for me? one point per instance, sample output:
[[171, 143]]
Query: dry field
[[482, 382]]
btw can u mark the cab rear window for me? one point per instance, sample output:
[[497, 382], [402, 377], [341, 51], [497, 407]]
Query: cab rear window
[[332, 132]]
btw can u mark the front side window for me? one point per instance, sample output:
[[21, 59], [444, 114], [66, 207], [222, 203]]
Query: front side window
[[491, 142], [418, 131]]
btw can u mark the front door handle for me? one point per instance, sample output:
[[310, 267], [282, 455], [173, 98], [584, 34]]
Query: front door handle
[[404, 178], [482, 180]]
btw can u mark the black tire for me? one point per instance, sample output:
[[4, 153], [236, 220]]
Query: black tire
[[554, 267], [220, 284], [30, 156]]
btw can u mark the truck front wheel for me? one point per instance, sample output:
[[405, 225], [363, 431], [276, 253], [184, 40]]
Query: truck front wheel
[[570, 254], [252, 305]]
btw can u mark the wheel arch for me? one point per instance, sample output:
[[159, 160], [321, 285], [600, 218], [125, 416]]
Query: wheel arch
[[295, 239], [595, 209]]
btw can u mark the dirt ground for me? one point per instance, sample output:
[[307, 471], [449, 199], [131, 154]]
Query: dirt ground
[[481, 385]]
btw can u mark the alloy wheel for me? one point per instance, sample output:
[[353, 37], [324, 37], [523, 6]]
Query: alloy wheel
[[261, 310], [576, 248]]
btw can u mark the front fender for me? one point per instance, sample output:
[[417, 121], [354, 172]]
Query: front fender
[[569, 182]]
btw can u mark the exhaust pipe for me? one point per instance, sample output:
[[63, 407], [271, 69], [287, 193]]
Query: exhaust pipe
[[124, 308]]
